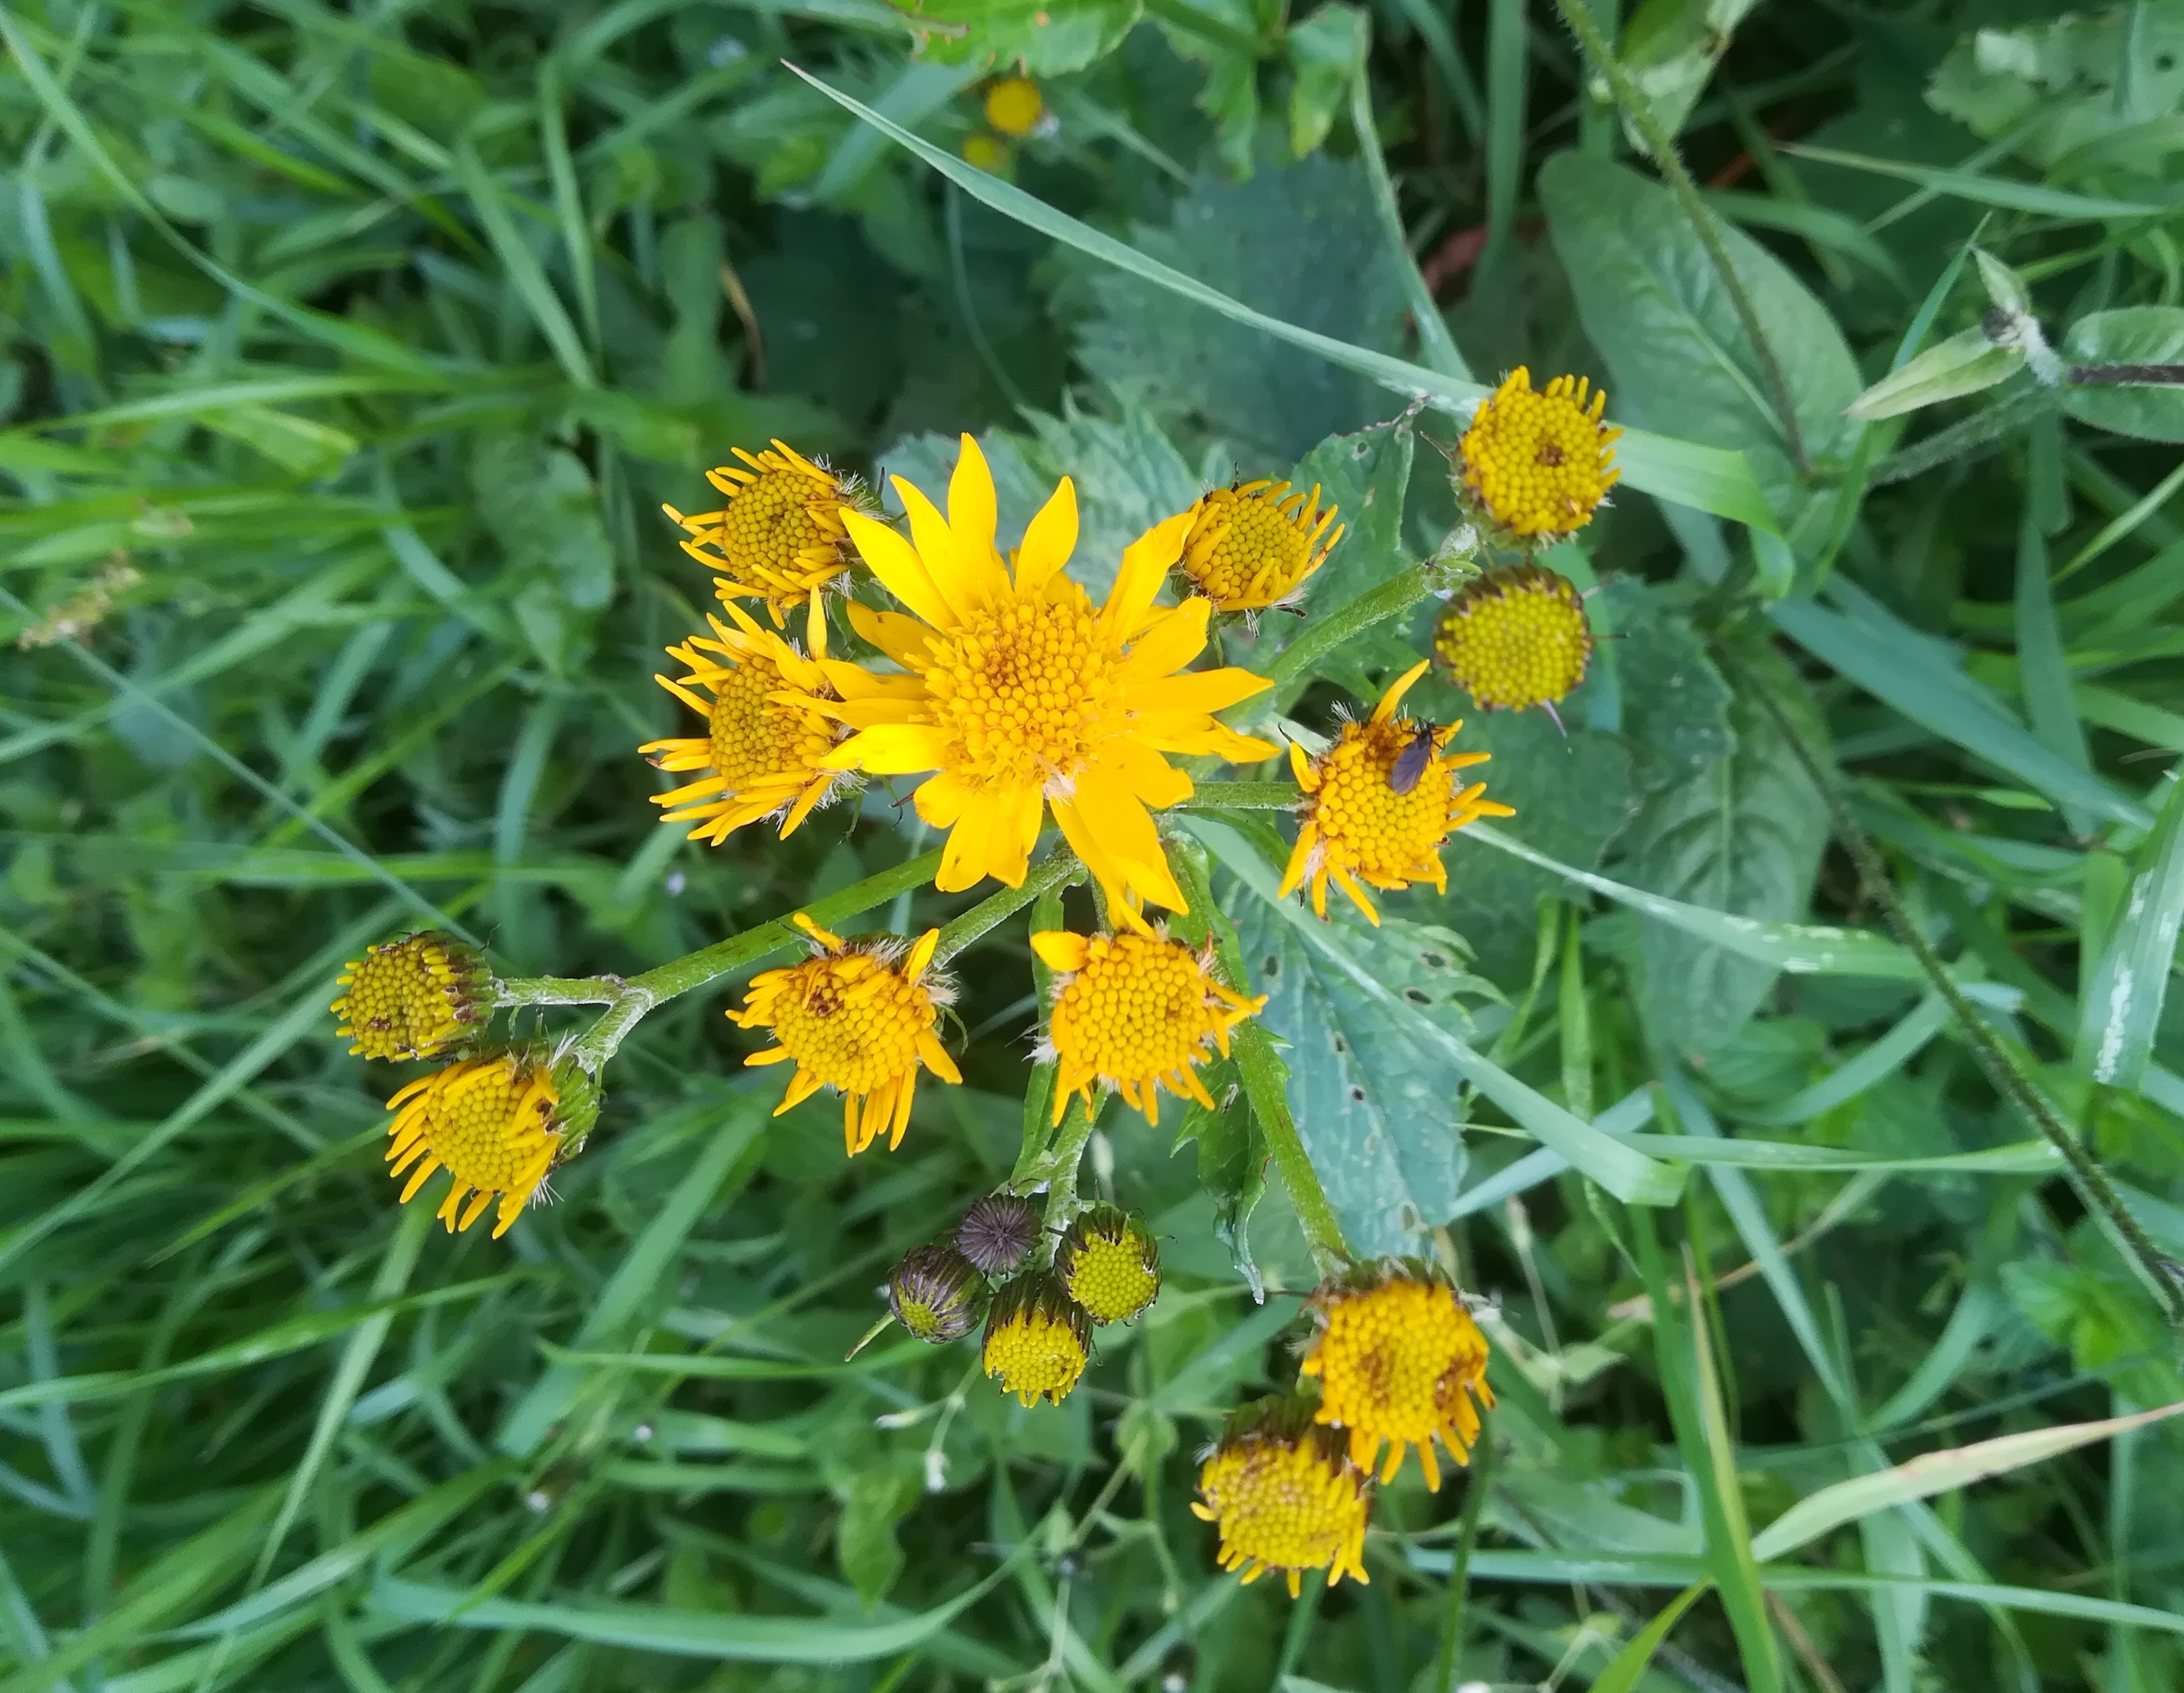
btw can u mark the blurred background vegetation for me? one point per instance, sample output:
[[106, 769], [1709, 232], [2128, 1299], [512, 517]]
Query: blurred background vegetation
[[350, 352]]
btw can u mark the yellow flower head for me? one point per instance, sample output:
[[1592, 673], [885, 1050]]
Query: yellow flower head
[[762, 745], [1136, 1011], [498, 1124], [1284, 1496], [1251, 546], [1399, 1361], [1038, 1340], [935, 1294], [1359, 827], [1021, 694], [851, 1017], [1538, 465], [413, 997], [1516, 636], [986, 152], [1107, 1262], [779, 537], [1013, 106]]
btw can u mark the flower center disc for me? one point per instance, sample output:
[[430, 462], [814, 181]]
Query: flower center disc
[[1393, 1360], [851, 1021], [768, 523], [1521, 645], [1137, 1013], [1259, 539], [1388, 832], [1282, 1505], [489, 1126], [1034, 1354], [752, 737], [1021, 689], [1110, 1279]]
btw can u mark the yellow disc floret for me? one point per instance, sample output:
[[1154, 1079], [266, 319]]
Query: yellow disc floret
[[779, 538], [853, 1018], [496, 1124], [762, 747], [1399, 1361], [1518, 636], [411, 998], [1285, 1496], [1108, 1262], [1357, 828], [1013, 106], [1037, 1341], [1538, 465], [1019, 695], [1137, 1012], [1252, 546]]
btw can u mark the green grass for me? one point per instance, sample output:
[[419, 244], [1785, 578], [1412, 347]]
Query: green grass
[[1795, 1075]]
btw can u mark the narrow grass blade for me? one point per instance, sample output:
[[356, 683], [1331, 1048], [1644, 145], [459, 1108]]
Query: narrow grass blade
[[2122, 1012]]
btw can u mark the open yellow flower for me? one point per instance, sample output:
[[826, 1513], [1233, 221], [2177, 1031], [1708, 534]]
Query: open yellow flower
[[779, 537], [1538, 465], [497, 1123], [851, 1017], [1359, 827], [1136, 1011], [1251, 546], [1020, 694], [1285, 1496], [762, 746], [1399, 1361]]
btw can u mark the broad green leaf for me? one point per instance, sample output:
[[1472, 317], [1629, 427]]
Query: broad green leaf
[[1933, 1473], [1742, 838], [2049, 89], [1629, 1176], [1232, 1169], [1326, 52], [1261, 242], [1047, 37], [1911, 672], [1375, 1110], [1965, 363], [1711, 478], [2130, 335], [539, 502], [864, 1542], [1677, 355], [1229, 37], [1669, 50], [1676, 704], [2121, 1011]]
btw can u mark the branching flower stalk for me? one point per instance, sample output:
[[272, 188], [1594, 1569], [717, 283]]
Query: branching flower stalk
[[1993, 1057]]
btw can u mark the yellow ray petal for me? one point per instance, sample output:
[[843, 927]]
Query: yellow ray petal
[[1125, 830], [1059, 949], [1396, 689], [1171, 640], [967, 589], [1049, 541], [1017, 814], [1198, 691], [899, 568], [963, 863], [973, 516], [893, 749], [942, 801], [902, 638], [1145, 563], [1150, 777]]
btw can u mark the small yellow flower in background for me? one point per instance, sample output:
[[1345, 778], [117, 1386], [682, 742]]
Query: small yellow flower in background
[[1251, 546], [1284, 1496], [1013, 106], [1399, 1361], [1540, 464], [1514, 637], [762, 747], [413, 997], [1108, 1262], [1021, 695], [497, 1124], [1136, 1011], [1038, 1340], [779, 537], [986, 152], [1358, 827], [852, 1018]]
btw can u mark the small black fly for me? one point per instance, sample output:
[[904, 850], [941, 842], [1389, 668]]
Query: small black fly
[[1410, 768]]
